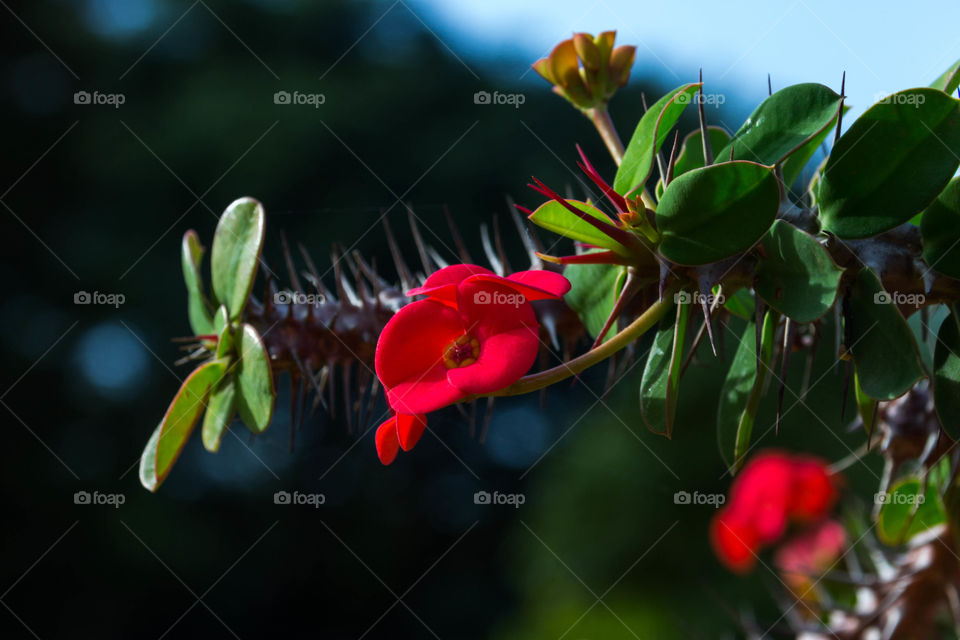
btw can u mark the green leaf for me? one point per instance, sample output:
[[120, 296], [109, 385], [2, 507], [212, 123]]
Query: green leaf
[[797, 161], [198, 309], [908, 510], [712, 213], [660, 383], [224, 332], [940, 229], [883, 347], [174, 429], [648, 137], [946, 376], [949, 80], [220, 409], [796, 275], [553, 216], [866, 406], [784, 124], [254, 381], [895, 159], [593, 293], [741, 304], [236, 250], [742, 390], [691, 153]]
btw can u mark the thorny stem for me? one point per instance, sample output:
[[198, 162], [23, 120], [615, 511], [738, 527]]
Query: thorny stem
[[631, 332], [600, 118]]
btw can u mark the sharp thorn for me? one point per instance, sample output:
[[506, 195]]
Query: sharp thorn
[[288, 259], [418, 241], [462, 252]]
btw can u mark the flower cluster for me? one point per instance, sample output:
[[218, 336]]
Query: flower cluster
[[587, 70], [773, 490], [475, 333]]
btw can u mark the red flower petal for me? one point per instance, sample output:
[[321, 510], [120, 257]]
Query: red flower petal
[[504, 359], [409, 429], [387, 442], [813, 492], [534, 285], [733, 541], [442, 285], [411, 344], [487, 308], [430, 393], [763, 492]]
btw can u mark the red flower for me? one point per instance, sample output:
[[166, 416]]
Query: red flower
[[771, 491], [475, 333], [810, 553]]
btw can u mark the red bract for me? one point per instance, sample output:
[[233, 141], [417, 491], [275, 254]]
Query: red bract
[[474, 334], [402, 431], [772, 490]]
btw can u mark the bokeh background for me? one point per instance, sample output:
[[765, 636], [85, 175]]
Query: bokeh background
[[97, 196]]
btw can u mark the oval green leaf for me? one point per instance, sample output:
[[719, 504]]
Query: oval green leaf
[[198, 308], [882, 343], [255, 395], [940, 229], [784, 125], [221, 406], [660, 383], [712, 213], [946, 376], [895, 159], [796, 275], [174, 429], [553, 216], [236, 250], [648, 137]]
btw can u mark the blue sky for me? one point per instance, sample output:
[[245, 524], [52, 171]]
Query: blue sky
[[884, 46]]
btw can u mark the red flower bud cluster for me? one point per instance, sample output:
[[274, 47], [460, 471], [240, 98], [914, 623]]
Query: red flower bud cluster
[[772, 491]]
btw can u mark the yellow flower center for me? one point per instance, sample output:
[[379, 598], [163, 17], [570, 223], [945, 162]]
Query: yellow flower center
[[462, 352]]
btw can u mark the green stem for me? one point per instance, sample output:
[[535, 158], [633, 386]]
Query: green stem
[[601, 120], [630, 333]]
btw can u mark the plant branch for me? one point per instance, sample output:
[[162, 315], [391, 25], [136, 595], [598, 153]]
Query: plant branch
[[600, 118], [631, 332]]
